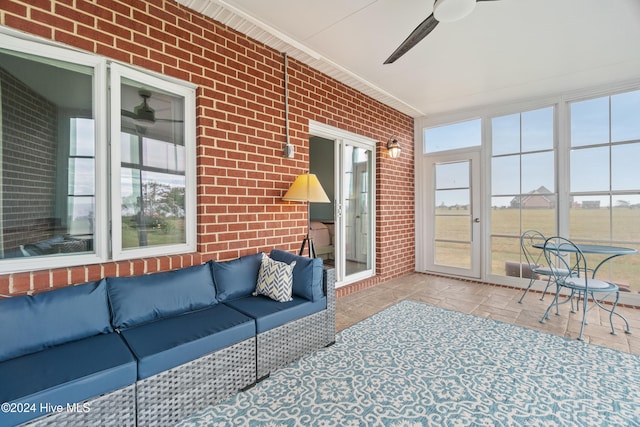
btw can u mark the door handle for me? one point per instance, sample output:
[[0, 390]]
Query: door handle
[[476, 220]]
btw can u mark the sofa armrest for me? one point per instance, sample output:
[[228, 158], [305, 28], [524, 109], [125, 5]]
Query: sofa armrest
[[329, 287]]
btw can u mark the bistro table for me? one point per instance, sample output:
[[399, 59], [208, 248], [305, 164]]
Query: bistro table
[[612, 251]]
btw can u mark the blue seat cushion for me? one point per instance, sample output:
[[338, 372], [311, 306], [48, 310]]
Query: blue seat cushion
[[170, 342], [236, 278], [307, 274], [68, 373], [140, 299], [34, 323], [270, 314]]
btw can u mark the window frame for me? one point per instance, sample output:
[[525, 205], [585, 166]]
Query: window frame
[[30, 46], [106, 115], [117, 73]]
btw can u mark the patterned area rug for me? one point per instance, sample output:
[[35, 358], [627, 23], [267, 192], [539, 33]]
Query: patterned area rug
[[416, 365]]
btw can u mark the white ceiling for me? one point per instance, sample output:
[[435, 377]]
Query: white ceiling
[[505, 51]]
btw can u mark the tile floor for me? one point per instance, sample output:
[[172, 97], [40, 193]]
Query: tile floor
[[495, 302]]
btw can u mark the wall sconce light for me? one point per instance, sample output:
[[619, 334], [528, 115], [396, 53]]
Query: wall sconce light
[[393, 148]]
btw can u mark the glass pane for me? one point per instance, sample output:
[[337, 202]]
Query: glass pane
[[625, 169], [82, 138], [505, 134], [505, 175], [453, 199], [504, 202], [129, 148], [153, 181], [152, 113], [453, 227], [538, 173], [451, 137], [82, 176], [625, 109], [452, 175], [505, 256], [590, 169], [152, 208], [625, 271], [453, 254], [357, 209], [626, 218], [590, 122], [590, 218], [81, 216], [540, 215], [47, 120], [537, 130], [163, 155]]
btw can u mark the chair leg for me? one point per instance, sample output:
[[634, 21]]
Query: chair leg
[[545, 289], [627, 330], [584, 317], [554, 302], [526, 290]]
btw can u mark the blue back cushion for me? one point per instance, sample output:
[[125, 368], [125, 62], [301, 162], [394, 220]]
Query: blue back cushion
[[141, 299], [236, 278], [33, 323], [307, 274]]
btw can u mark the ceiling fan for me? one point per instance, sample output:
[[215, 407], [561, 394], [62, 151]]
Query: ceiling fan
[[443, 11], [143, 115]]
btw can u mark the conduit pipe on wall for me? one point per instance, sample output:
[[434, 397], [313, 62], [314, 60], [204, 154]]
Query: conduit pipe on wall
[[288, 151]]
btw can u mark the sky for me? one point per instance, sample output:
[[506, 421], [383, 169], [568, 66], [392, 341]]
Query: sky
[[523, 152]]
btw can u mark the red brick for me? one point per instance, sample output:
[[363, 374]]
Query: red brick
[[240, 116]]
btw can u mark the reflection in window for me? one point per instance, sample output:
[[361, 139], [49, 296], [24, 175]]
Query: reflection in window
[[47, 153], [152, 168]]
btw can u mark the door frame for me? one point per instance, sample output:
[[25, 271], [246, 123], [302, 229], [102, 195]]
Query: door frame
[[425, 232], [340, 137]]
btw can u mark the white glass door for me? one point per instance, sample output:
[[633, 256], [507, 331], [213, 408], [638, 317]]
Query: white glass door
[[356, 204], [452, 214], [353, 179]]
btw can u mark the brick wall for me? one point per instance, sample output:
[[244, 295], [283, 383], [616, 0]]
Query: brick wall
[[28, 184], [240, 116]]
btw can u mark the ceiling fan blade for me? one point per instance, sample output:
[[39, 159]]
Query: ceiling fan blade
[[169, 120], [414, 38], [129, 114]]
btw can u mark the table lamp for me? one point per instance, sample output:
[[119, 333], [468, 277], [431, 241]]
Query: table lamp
[[307, 188]]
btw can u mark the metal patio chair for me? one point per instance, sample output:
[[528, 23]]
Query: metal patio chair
[[535, 260], [569, 268]]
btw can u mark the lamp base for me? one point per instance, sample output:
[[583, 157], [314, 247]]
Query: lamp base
[[312, 250]]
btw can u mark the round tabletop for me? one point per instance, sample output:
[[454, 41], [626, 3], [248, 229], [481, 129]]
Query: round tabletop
[[593, 249]]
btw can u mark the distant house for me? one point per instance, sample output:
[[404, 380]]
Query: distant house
[[540, 198], [591, 204]]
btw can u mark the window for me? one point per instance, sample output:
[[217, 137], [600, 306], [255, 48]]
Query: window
[[523, 189], [454, 136], [604, 187], [154, 179], [54, 132]]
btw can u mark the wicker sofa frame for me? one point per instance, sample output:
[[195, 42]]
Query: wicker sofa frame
[[282, 345], [171, 396], [117, 408]]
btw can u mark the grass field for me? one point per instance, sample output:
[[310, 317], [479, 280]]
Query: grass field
[[619, 226], [172, 231]]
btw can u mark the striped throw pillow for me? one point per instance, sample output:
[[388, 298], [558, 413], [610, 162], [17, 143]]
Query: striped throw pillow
[[275, 279]]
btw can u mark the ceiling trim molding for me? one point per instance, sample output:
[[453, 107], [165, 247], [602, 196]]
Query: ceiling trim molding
[[244, 23]]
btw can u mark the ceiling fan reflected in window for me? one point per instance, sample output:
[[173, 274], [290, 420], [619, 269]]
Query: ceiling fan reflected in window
[[443, 11], [143, 115]]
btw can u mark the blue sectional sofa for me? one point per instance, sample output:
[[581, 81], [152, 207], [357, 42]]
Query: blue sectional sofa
[[153, 349]]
